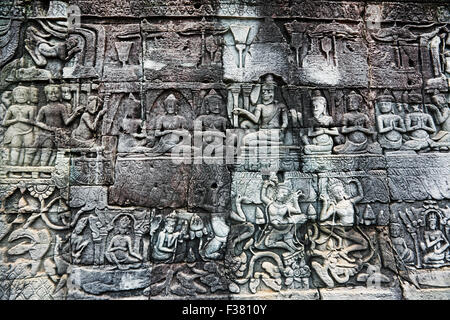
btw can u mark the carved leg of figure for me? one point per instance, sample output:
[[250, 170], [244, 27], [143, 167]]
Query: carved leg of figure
[[14, 156], [360, 243], [313, 149], [98, 252], [45, 156], [111, 257], [277, 239], [288, 238], [28, 143], [47, 144], [35, 54], [407, 256], [322, 272], [434, 258], [52, 160], [416, 145], [246, 124], [212, 248], [28, 159], [134, 261], [16, 145]]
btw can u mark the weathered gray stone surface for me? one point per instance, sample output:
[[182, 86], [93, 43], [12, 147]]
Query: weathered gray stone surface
[[224, 150]]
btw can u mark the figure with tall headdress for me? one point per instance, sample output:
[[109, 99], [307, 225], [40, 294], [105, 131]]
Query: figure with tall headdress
[[435, 245], [389, 125], [441, 112], [419, 126], [165, 246], [405, 254], [339, 248], [356, 128], [52, 119], [212, 125], [171, 130], [19, 121], [319, 139], [282, 215], [84, 134], [270, 118]]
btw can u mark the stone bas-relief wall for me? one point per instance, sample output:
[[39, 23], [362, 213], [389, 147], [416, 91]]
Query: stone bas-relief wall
[[224, 150]]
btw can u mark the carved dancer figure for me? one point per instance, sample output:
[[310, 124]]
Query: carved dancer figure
[[268, 250], [356, 128], [283, 212], [338, 248], [389, 125], [320, 134], [19, 135], [270, 118], [341, 208], [120, 250]]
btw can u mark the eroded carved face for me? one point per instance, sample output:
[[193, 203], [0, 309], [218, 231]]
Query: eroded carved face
[[171, 106], [395, 231], [53, 93], [65, 93], [92, 104], [318, 107], [353, 104], [282, 194], [268, 94], [124, 222], [34, 95], [385, 106], [338, 192], [214, 105], [20, 95], [433, 224], [439, 100], [7, 98], [170, 225]]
